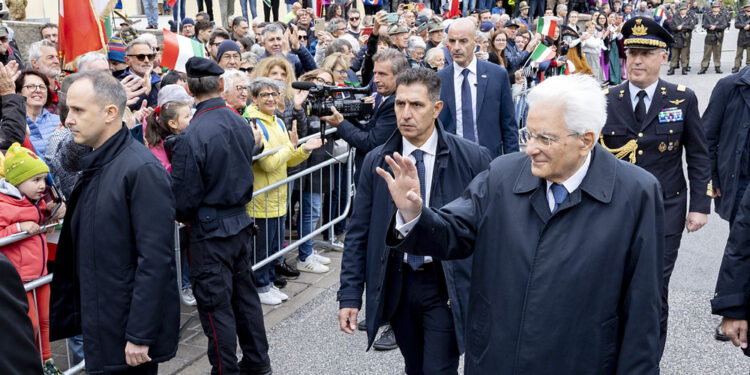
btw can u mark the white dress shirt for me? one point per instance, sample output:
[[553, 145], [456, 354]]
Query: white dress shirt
[[429, 149], [571, 184], [650, 90], [458, 81]]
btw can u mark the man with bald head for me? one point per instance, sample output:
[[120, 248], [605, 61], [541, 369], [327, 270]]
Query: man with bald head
[[477, 96]]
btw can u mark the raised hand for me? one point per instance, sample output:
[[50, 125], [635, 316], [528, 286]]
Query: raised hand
[[403, 185], [312, 144]]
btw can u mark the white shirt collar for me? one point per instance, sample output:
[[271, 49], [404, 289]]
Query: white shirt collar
[[429, 147], [650, 90], [574, 181], [457, 69]]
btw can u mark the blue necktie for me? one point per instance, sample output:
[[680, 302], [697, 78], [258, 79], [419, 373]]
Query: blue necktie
[[378, 100], [467, 112], [560, 193], [417, 260]]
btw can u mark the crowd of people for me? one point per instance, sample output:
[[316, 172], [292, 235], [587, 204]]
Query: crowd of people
[[101, 158]]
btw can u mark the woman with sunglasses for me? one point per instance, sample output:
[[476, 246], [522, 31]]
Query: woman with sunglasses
[[338, 64], [41, 123]]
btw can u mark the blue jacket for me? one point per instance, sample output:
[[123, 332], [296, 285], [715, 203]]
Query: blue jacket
[[726, 122], [367, 262], [301, 60], [574, 292], [495, 113], [516, 57]]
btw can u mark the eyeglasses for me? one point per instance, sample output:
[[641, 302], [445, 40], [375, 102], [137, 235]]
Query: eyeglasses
[[247, 70], [33, 88], [342, 28], [322, 81], [543, 139], [266, 95], [241, 88], [144, 56], [340, 71], [353, 18]]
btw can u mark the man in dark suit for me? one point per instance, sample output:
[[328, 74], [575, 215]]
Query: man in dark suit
[[424, 300], [651, 122], [388, 65], [490, 118]]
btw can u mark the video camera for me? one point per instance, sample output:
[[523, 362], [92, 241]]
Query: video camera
[[323, 97]]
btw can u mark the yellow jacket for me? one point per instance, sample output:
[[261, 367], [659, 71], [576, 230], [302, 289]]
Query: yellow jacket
[[272, 168]]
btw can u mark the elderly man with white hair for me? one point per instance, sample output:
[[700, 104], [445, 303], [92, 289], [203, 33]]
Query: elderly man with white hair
[[567, 242], [44, 59]]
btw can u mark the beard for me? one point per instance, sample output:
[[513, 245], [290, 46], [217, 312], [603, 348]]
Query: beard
[[52, 73]]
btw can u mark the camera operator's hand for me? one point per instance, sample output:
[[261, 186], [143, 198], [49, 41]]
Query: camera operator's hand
[[334, 119], [312, 144], [299, 98]]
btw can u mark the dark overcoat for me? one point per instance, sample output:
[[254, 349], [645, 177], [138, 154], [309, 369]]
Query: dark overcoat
[[367, 262], [574, 292]]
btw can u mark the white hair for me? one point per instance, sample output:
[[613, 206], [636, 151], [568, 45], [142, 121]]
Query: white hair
[[584, 105], [35, 49], [349, 38], [150, 39], [414, 43], [90, 57], [232, 78]]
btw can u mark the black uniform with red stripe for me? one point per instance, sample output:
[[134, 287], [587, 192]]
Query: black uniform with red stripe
[[672, 124], [212, 181]]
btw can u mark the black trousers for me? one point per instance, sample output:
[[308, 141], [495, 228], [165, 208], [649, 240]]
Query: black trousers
[[423, 323], [675, 209], [267, 11], [144, 369], [209, 7], [228, 304]]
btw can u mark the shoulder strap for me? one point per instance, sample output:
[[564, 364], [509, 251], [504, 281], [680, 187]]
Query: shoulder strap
[[262, 127]]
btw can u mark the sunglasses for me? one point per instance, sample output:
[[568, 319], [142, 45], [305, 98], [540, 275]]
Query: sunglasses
[[247, 70], [144, 56], [353, 18]]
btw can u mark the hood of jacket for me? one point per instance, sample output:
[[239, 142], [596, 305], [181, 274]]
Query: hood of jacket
[[9, 190]]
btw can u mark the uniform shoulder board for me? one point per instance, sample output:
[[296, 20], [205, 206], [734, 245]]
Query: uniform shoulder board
[[681, 88], [606, 91]]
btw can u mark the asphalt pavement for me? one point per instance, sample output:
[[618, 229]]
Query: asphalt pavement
[[308, 340]]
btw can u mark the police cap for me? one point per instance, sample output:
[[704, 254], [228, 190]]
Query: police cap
[[645, 33], [198, 67]]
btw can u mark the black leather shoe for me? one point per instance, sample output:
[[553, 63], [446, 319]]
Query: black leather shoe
[[386, 341], [684, 71], [688, 68], [702, 71], [718, 70], [735, 70], [362, 326], [284, 269], [670, 71], [718, 335], [280, 282]]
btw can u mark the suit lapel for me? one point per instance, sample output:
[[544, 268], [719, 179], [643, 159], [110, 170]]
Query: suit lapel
[[450, 101], [481, 87], [657, 104]]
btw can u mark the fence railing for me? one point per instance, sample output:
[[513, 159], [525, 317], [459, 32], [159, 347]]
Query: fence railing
[[339, 168]]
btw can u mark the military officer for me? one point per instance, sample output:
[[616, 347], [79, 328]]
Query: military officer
[[714, 22], [682, 26], [649, 123], [743, 40]]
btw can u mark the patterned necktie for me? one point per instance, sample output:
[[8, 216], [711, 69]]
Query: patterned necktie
[[467, 111], [417, 260], [640, 107], [560, 193]]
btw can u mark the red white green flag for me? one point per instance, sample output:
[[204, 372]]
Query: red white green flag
[[81, 29], [546, 26], [658, 12], [178, 49], [569, 67], [542, 53]]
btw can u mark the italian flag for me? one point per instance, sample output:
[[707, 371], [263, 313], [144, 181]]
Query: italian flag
[[542, 53], [178, 49], [81, 28], [658, 12], [546, 27], [569, 67]]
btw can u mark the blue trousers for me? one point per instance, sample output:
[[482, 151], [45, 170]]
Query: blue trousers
[[268, 242], [253, 8], [310, 212], [152, 11], [179, 6], [469, 5]]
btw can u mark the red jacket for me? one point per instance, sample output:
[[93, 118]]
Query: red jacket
[[29, 256]]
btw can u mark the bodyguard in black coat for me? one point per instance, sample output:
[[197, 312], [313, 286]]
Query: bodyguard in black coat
[[567, 244], [726, 122], [115, 278], [650, 122], [18, 354], [426, 306], [212, 181]]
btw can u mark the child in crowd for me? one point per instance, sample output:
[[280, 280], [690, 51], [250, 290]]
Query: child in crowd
[[498, 8], [22, 209]]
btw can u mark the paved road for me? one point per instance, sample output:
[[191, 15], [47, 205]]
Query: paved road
[[309, 342]]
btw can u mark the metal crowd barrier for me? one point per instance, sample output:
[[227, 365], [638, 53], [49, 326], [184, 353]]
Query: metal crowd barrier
[[343, 183]]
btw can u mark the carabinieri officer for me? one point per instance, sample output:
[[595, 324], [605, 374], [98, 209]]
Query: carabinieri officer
[[649, 123]]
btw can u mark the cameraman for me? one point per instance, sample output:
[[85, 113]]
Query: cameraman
[[388, 64]]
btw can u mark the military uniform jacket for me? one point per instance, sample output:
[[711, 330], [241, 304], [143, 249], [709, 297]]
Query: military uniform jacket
[[743, 40], [682, 37], [672, 123], [720, 21]]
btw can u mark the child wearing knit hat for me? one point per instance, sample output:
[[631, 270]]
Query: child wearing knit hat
[[22, 209]]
